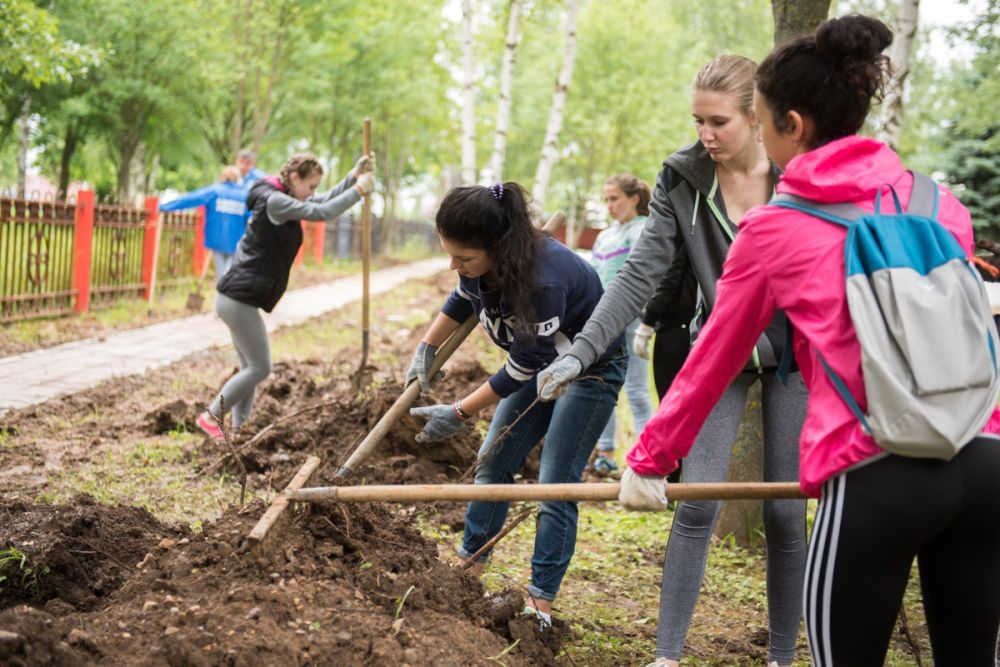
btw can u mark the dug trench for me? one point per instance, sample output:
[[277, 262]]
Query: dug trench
[[89, 583]]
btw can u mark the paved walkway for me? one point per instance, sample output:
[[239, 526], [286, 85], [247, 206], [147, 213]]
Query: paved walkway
[[37, 376]]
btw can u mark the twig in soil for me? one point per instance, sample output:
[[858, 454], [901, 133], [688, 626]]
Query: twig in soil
[[506, 431], [511, 525], [227, 435], [257, 437], [905, 627]]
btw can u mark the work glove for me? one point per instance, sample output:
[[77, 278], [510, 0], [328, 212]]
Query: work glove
[[642, 493], [421, 366], [640, 343], [365, 164], [553, 380], [366, 183], [442, 422]]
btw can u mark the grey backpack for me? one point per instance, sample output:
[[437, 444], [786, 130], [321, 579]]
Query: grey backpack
[[928, 342]]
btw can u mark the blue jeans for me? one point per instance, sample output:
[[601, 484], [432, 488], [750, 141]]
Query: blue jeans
[[570, 426], [636, 390]]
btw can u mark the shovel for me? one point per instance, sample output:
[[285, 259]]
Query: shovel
[[363, 376], [195, 300]]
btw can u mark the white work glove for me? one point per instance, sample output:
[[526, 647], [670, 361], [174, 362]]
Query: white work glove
[[366, 183], [365, 164], [642, 493], [421, 366], [640, 343], [553, 380]]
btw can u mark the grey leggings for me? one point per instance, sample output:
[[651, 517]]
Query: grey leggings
[[783, 409], [246, 326]]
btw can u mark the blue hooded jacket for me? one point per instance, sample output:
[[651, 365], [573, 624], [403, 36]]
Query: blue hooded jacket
[[226, 213]]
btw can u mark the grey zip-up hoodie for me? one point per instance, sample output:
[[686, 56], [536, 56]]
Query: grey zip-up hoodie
[[679, 217]]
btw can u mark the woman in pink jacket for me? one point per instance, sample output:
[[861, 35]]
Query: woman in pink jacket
[[877, 511]]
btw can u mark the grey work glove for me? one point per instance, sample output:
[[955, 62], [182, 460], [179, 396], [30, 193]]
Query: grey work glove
[[420, 367], [366, 183], [442, 422], [364, 165], [642, 493], [553, 380], [640, 343]]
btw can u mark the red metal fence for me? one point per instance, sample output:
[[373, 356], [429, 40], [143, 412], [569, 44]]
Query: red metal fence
[[61, 257]]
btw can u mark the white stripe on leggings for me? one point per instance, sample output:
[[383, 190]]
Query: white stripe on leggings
[[820, 567]]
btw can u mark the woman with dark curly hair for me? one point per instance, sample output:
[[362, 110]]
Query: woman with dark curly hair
[[532, 295]]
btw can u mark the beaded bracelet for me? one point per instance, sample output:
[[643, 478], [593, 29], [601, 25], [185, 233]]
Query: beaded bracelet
[[459, 412]]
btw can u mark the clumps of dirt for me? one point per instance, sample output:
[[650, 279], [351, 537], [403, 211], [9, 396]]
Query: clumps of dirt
[[174, 415], [71, 557], [344, 585]]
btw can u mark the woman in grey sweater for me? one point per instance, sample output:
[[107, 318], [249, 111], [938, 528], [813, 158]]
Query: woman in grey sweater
[[701, 193]]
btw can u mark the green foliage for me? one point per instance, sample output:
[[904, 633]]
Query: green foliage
[[18, 574], [32, 49]]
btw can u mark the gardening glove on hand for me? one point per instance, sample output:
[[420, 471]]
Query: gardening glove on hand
[[442, 421], [421, 366], [643, 493], [365, 164], [640, 344], [366, 183], [553, 380]]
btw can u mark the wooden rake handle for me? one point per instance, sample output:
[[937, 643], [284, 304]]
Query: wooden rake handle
[[418, 493]]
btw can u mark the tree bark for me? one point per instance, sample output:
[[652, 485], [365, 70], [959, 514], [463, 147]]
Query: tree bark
[[468, 98], [554, 125], [892, 108], [506, 84], [742, 518], [24, 128], [795, 18], [72, 136]]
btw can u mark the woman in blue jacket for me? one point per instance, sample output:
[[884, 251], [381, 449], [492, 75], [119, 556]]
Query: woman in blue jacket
[[225, 215]]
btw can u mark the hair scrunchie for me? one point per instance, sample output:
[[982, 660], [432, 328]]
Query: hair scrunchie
[[497, 191]]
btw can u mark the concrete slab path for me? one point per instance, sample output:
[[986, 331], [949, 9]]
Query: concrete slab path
[[37, 376]]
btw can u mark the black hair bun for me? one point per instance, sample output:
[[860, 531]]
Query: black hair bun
[[853, 37]]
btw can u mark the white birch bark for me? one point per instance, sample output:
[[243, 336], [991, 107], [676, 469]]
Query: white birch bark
[[899, 56], [554, 125], [468, 99], [506, 85]]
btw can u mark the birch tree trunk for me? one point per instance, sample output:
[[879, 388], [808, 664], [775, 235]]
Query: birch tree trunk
[[506, 84], [552, 128], [468, 99], [24, 131], [795, 18], [899, 56]]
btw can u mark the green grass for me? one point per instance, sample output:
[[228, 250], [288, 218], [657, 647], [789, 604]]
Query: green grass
[[19, 574]]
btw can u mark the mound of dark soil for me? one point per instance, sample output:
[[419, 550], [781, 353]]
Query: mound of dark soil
[[347, 585], [72, 556]]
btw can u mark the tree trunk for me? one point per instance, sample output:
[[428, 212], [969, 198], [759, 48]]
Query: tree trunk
[[892, 108], [468, 98], [66, 158], [24, 127], [742, 518], [236, 140], [795, 18], [506, 84], [554, 125]]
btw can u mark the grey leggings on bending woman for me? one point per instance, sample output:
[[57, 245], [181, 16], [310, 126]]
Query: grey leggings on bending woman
[[246, 326], [784, 409]]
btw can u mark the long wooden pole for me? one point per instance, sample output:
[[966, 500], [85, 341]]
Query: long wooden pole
[[366, 251], [412, 391], [280, 504], [410, 493]]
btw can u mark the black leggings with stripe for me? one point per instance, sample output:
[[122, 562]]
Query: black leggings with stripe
[[870, 525]]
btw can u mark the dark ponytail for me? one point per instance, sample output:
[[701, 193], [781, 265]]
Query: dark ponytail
[[496, 219], [831, 76]]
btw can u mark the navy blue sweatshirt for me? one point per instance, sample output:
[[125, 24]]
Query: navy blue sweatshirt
[[569, 289]]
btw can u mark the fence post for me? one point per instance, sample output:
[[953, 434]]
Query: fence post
[[318, 241], [300, 255], [150, 247], [198, 255], [83, 240]]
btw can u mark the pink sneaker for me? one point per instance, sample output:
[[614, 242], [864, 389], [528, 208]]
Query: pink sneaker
[[207, 424]]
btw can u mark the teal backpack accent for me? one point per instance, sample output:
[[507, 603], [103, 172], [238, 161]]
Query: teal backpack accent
[[923, 319]]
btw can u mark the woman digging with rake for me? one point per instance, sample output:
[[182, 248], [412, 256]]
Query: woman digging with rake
[[532, 295]]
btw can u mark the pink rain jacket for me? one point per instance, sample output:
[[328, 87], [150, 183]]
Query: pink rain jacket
[[786, 259]]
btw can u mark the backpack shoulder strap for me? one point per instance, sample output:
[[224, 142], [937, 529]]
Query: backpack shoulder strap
[[843, 214], [924, 197]]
